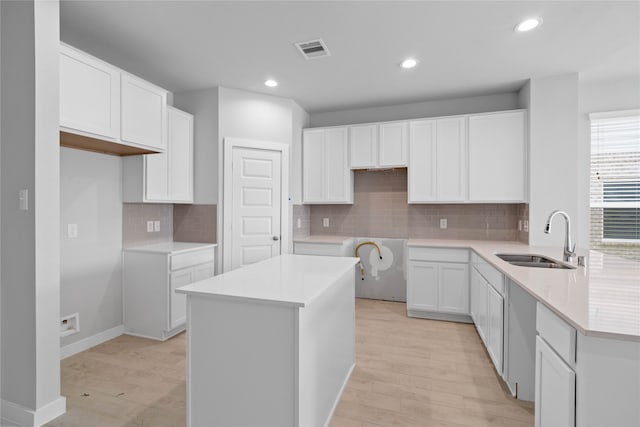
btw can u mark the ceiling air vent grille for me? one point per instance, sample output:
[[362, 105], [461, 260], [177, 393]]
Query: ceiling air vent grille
[[313, 49]]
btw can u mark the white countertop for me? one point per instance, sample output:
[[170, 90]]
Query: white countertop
[[602, 299], [286, 279], [171, 247], [330, 240]]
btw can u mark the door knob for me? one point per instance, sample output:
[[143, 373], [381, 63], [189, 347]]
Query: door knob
[[276, 238]]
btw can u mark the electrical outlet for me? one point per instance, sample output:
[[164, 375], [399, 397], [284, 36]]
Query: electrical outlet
[[70, 325], [149, 226], [299, 223], [525, 225], [325, 222], [72, 231], [519, 225], [443, 223], [156, 225]]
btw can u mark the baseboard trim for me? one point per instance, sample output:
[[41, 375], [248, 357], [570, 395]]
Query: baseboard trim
[[92, 341], [14, 414]]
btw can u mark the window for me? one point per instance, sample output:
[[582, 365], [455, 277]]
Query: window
[[615, 183]]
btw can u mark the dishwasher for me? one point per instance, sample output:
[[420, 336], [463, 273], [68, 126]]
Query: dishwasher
[[381, 273]]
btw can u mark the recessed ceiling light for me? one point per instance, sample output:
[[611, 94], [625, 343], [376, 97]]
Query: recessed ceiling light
[[528, 24], [409, 63], [271, 83]]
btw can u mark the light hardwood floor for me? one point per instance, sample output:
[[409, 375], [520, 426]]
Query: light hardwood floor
[[409, 372]]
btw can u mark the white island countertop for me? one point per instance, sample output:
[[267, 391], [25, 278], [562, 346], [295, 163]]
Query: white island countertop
[[286, 279], [601, 299]]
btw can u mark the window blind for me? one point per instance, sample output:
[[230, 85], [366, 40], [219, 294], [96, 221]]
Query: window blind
[[615, 183]]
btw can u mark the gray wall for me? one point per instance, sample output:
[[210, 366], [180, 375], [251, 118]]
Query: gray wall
[[30, 239], [440, 107], [91, 265], [203, 104], [553, 154]]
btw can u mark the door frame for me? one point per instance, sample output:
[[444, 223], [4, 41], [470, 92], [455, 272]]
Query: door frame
[[227, 201]]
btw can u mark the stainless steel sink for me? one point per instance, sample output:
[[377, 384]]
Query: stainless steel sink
[[538, 261]]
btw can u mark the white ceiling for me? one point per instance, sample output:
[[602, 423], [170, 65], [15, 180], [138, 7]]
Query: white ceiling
[[464, 48]]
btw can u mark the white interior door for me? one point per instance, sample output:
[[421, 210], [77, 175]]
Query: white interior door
[[256, 205]]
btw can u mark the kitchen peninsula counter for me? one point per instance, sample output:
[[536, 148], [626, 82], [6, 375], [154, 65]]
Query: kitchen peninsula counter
[[272, 343]]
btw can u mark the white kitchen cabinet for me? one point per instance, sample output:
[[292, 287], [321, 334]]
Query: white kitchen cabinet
[[437, 160], [152, 308], [555, 389], [143, 113], [438, 283], [89, 95], [495, 327], [325, 168], [497, 147], [479, 304], [393, 144], [165, 177], [363, 146]]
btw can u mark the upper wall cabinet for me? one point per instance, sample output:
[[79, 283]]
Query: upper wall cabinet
[[326, 177], [143, 113], [437, 160], [497, 157], [164, 177], [89, 95], [107, 110], [382, 145]]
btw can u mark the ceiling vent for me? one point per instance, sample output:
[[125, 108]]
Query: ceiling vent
[[313, 49]]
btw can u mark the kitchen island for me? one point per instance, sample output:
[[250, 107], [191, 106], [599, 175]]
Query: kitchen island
[[271, 344]]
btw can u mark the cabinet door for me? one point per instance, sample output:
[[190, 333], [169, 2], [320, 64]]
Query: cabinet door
[[339, 188], [203, 271], [312, 165], [89, 94], [422, 286], [178, 302], [363, 144], [495, 328], [156, 184], [555, 389], [479, 301], [143, 113], [453, 288], [497, 157], [180, 149], [451, 160], [393, 144], [422, 161]]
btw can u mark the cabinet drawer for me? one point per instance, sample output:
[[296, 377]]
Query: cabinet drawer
[[192, 258], [321, 249], [438, 254], [555, 331], [486, 270]]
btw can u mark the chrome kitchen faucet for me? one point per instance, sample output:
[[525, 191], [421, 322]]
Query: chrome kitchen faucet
[[569, 250]]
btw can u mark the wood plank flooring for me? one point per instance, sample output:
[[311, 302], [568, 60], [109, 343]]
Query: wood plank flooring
[[409, 372]]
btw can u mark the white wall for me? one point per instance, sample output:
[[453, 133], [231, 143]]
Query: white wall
[[300, 121], [203, 104], [553, 157], [598, 96], [441, 107], [30, 239], [91, 265]]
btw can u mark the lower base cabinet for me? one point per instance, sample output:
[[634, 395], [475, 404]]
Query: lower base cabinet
[[555, 389], [152, 308], [438, 283]]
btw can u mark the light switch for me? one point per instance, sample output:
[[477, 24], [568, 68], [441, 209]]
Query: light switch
[[325, 222], [23, 200], [443, 223], [299, 223], [72, 231], [149, 226], [156, 225]]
